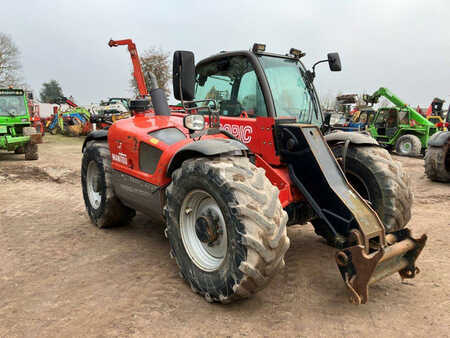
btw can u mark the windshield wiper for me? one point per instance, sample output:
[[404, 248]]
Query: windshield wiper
[[313, 98], [316, 104], [311, 93], [309, 111]]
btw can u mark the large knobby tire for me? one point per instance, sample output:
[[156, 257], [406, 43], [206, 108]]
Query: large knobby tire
[[31, 151], [381, 181], [249, 243], [408, 145], [104, 208], [437, 163]]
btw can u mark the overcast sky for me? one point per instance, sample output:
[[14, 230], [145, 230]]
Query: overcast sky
[[403, 45]]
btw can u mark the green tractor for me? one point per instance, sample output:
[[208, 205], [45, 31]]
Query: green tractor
[[399, 128], [16, 132]]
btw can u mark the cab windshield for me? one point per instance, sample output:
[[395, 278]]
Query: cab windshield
[[12, 105], [292, 95]]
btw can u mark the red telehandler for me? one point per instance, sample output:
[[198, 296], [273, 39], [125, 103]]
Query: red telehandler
[[244, 159]]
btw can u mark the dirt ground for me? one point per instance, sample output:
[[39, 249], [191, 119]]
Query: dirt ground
[[60, 276]]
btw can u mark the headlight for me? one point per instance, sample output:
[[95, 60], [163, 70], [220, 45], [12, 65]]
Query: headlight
[[194, 122]]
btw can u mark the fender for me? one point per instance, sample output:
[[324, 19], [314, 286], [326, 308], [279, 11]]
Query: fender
[[439, 139], [353, 137], [101, 134], [209, 147]]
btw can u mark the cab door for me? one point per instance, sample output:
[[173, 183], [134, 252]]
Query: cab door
[[234, 84]]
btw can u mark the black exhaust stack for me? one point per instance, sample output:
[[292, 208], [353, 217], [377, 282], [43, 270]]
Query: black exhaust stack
[[158, 96]]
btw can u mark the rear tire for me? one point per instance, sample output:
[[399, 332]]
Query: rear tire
[[104, 208], [253, 227], [437, 163], [379, 180], [408, 145], [31, 152]]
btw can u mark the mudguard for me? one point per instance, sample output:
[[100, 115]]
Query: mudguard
[[439, 139], [354, 137], [95, 135], [209, 147]]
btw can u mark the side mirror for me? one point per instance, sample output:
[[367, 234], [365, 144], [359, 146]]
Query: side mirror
[[334, 62], [30, 96], [183, 75]]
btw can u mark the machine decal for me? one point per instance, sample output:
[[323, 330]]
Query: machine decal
[[120, 157], [243, 133]]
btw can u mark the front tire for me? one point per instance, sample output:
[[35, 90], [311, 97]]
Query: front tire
[[226, 227], [381, 181], [408, 145], [31, 152], [104, 208]]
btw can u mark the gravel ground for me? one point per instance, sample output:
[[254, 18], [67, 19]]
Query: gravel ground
[[60, 276]]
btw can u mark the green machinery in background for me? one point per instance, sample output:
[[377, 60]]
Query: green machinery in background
[[16, 132], [399, 128]]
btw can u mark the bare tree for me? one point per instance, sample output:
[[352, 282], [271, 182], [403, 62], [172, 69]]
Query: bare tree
[[10, 66], [156, 61]]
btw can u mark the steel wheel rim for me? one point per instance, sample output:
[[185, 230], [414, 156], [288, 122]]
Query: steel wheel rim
[[92, 176], [198, 203], [405, 147]]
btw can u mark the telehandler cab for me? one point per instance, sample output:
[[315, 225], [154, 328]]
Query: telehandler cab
[[243, 159]]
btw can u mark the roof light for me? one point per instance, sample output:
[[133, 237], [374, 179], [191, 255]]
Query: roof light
[[296, 53], [258, 47]]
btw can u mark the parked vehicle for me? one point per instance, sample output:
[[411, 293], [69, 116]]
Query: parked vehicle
[[399, 128], [16, 131], [111, 111], [228, 173]]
